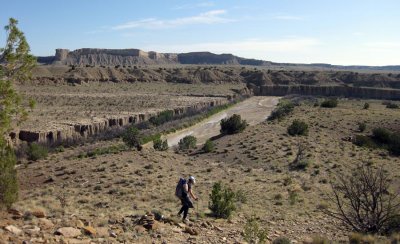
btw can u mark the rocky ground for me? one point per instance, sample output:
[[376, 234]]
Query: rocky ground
[[72, 198]]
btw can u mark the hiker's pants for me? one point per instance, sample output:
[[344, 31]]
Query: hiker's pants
[[186, 204]]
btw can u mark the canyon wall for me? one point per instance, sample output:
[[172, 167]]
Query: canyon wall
[[111, 57], [74, 132], [338, 91]]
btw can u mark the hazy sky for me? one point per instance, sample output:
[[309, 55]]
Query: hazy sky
[[307, 31]]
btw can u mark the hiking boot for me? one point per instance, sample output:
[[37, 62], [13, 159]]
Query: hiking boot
[[185, 221]]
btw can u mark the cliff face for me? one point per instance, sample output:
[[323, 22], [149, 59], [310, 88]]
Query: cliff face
[[339, 91], [111, 57], [75, 132]]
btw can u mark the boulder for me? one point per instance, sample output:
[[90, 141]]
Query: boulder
[[45, 223], [14, 229], [31, 230], [68, 232]]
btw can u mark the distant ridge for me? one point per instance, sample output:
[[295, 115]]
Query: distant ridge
[[126, 57]]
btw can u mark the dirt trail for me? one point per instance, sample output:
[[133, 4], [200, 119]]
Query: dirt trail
[[254, 110]]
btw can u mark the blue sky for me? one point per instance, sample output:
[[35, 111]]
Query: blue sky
[[308, 31]]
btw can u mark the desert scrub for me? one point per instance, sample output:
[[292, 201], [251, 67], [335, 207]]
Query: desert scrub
[[160, 145], [252, 231], [302, 161], [233, 125], [36, 152], [209, 146], [362, 126], [380, 138], [283, 109], [366, 106], [365, 201], [298, 127], [329, 103], [132, 138], [392, 105], [162, 118], [222, 201], [281, 240], [188, 142]]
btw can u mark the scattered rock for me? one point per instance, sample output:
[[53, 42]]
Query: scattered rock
[[13, 229], [191, 231], [46, 223], [113, 234], [49, 180], [16, 213], [90, 230], [76, 241], [39, 214], [218, 228], [31, 230], [69, 232], [148, 221], [102, 232], [140, 229], [38, 240], [181, 225], [79, 223]]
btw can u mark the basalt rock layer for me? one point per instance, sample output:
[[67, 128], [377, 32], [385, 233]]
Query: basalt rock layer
[[71, 132], [337, 91]]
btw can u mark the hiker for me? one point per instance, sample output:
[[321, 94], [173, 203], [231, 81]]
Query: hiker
[[185, 194]]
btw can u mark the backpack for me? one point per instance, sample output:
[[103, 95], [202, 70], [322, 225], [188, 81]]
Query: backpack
[[179, 188]]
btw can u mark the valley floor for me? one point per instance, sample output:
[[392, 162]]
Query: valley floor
[[108, 191]]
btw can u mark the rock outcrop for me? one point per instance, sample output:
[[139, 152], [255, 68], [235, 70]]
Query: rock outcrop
[[111, 57], [338, 91], [73, 132]]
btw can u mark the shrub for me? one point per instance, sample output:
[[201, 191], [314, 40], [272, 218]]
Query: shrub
[[366, 106], [132, 138], [162, 118], [222, 201], [233, 125], [283, 109], [392, 105], [301, 162], [187, 142], [252, 232], [364, 201], [160, 145], [209, 146], [298, 127], [282, 240], [362, 126], [358, 238], [240, 196], [363, 141], [36, 152], [381, 135], [394, 145], [330, 103], [8, 176]]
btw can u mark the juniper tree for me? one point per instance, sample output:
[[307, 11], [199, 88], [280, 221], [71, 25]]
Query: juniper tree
[[15, 65]]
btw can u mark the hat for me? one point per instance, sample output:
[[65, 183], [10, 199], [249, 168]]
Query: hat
[[193, 179]]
